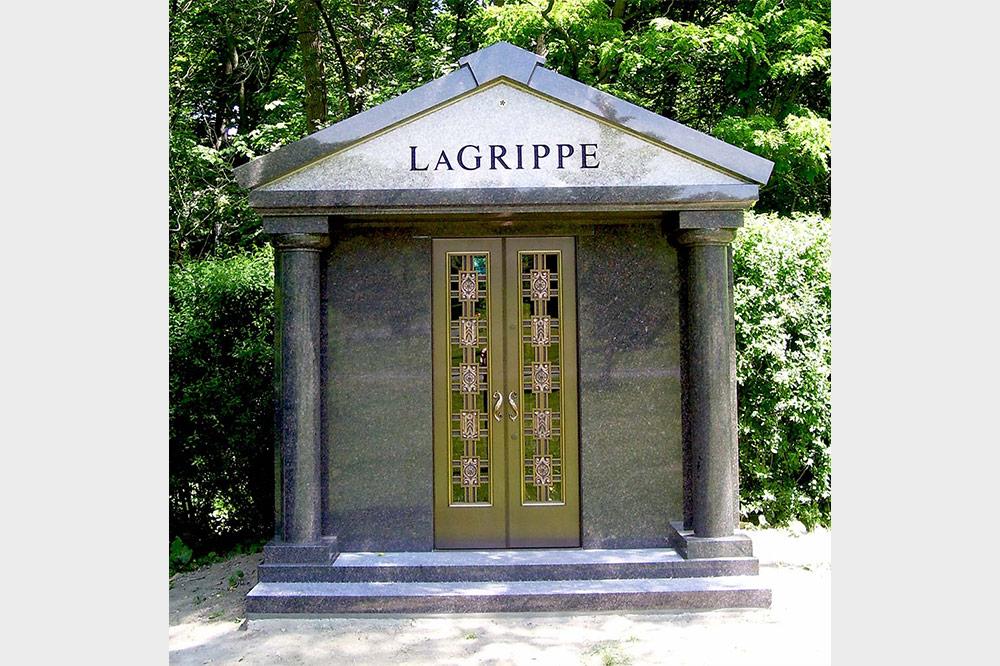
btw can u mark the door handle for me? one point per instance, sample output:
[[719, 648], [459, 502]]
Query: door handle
[[498, 396], [512, 399]]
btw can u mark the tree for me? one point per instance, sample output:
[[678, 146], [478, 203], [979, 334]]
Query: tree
[[231, 68], [248, 76], [307, 13]]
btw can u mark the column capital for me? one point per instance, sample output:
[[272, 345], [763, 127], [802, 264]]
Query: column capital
[[314, 242], [714, 236], [709, 219], [307, 224]]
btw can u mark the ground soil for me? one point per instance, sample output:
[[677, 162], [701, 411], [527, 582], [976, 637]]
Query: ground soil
[[207, 625]]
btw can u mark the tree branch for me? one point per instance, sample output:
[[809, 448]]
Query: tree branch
[[574, 54], [345, 72]]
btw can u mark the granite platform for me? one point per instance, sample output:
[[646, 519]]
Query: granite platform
[[507, 581], [513, 596]]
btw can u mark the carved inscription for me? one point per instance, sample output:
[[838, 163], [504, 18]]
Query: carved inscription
[[518, 157]]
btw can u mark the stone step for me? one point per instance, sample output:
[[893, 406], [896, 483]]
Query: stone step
[[267, 599], [507, 565]]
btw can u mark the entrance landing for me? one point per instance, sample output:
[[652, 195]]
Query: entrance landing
[[507, 580]]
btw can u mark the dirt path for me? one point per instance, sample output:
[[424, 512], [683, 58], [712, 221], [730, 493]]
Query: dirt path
[[206, 625]]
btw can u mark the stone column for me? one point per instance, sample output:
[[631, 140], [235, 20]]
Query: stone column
[[709, 409], [297, 280], [297, 287], [708, 354]]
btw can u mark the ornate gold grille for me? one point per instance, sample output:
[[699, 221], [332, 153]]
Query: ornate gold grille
[[468, 345], [540, 372]]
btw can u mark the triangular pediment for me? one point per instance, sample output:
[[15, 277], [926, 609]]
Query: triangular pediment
[[501, 136], [504, 124]]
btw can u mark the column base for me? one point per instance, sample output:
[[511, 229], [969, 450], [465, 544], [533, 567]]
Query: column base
[[323, 551], [692, 547]]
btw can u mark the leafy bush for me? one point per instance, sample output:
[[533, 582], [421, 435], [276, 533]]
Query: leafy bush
[[799, 147], [180, 555], [221, 400], [782, 302]]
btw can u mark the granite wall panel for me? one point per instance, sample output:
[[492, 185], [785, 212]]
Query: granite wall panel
[[378, 393], [378, 408], [630, 391]]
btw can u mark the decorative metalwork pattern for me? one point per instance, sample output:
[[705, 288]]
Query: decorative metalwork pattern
[[543, 423], [541, 378], [541, 333], [541, 372], [470, 472], [469, 343], [540, 282], [543, 471], [468, 331], [468, 286], [470, 377], [470, 425]]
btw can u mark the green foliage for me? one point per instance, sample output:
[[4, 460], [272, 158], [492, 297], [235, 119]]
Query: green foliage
[[180, 555], [782, 300], [755, 73], [570, 31], [234, 94], [800, 150], [221, 400], [235, 578]]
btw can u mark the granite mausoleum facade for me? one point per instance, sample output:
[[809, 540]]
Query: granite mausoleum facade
[[506, 368]]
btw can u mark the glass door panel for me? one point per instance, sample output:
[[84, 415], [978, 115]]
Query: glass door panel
[[540, 304], [469, 472]]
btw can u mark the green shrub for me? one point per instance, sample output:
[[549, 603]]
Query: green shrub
[[180, 555], [782, 302], [221, 401]]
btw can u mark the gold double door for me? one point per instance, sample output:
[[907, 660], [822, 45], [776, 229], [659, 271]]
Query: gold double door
[[505, 402]]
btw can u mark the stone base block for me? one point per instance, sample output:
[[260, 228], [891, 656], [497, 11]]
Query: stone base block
[[506, 565], [693, 547], [322, 552], [318, 599]]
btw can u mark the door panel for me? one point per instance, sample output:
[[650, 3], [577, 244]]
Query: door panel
[[469, 459], [540, 361], [505, 450]]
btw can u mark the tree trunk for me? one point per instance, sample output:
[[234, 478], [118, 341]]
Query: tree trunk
[[350, 92], [307, 23]]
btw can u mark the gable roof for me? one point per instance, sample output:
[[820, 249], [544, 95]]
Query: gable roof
[[503, 60]]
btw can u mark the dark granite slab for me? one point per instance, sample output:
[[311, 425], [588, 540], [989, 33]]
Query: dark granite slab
[[490, 597], [378, 394], [508, 565], [319, 553], [501, 59], [624, 197], [692, 547], [630, 392]]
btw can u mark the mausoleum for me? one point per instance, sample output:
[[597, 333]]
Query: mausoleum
[[506, 369]]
